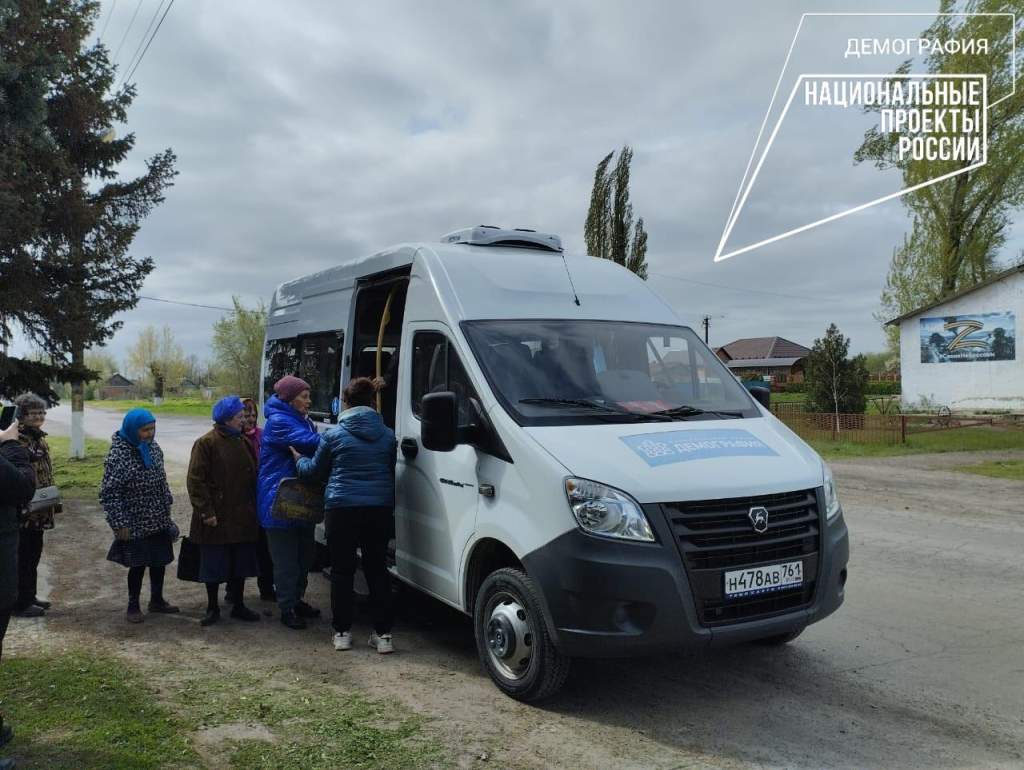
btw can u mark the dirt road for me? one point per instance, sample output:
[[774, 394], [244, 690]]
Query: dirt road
[[922, 667]]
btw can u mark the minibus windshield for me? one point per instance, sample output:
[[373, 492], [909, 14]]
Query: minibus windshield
[[558, 372]]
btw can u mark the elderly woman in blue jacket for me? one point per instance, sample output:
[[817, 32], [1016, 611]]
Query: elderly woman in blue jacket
[[357, 459], [290, 542]]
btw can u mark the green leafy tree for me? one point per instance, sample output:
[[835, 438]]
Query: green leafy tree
[[87, 216], [157, 359], [961, 223], [238, 349], [609, 230], [836, 384]]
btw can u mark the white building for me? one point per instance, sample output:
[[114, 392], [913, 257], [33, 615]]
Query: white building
[[961, 352]]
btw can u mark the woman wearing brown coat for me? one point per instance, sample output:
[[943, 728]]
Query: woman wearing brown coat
[[222, 487]]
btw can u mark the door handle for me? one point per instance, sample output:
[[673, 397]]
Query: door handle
[[410, 448]]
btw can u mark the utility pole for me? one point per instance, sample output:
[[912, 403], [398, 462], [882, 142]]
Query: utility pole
[[706, 323]]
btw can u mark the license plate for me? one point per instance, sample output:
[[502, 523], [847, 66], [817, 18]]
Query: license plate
[[762, 580]]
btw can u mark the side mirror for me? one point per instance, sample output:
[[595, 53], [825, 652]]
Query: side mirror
[[762, 395], [439, 422]]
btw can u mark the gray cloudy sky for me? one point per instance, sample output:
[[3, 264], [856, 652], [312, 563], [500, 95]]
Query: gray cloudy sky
[[308, 133]]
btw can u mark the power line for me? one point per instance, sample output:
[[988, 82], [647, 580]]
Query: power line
[[143, 54], [126, 30], [110, 12], [737, 288], [142, 41], [190, 304]]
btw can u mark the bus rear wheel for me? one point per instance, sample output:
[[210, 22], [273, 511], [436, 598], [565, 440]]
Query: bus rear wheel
[[512, 640]]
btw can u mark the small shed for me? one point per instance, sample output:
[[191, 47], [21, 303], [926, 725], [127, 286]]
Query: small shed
[[117, 387], [961, 352]]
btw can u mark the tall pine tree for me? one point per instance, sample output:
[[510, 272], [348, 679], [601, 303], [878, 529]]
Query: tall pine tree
[[88, 216], [609, 230]]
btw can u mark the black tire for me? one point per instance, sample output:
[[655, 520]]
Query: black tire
[[779, 639], [546, 670]]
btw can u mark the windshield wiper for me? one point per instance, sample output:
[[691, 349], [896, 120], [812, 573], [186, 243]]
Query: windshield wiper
[[596, 405], [685, 410]]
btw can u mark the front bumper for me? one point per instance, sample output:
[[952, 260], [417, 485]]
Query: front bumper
[[608, 598]]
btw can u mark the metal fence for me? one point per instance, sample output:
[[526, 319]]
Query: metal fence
[[855, 428]]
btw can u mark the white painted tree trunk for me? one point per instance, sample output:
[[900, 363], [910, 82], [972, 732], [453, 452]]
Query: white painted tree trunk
[[77, 432]]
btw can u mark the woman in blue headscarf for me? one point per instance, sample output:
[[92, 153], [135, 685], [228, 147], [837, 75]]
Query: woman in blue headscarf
[[137, 502], [222, 489]]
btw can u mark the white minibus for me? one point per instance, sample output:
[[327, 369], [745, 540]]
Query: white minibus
[[578, 472]]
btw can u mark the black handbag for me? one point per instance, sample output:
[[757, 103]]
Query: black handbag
[[188, 561], [298, 500]]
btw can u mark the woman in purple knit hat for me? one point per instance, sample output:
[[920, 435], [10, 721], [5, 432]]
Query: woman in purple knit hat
[[291, 542]]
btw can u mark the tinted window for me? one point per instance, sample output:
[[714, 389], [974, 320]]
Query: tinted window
[[320, 366], [436, 368], [282, 358]]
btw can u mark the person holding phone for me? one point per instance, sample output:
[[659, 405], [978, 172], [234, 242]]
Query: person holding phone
[[31, 416], [17, 485], [137, 501]]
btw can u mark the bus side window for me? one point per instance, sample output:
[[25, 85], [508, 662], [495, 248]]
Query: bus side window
[[320, 366], [282, 358]]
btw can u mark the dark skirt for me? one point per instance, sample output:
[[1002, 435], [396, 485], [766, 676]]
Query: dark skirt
[[223, 562], [152, 551]]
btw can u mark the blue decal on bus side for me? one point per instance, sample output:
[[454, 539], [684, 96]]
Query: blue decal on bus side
[[680, 446]]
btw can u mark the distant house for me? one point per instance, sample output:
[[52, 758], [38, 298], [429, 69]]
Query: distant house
[[774, 358], [961, 352], [117, 387]]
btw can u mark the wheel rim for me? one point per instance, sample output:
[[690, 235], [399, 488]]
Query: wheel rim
[[509, 636]]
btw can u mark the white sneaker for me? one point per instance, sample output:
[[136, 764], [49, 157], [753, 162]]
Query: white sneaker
[[382, 643], [343, 641]]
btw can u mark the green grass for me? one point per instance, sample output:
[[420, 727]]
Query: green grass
[[78, 711], [313, 727], [953, 440], [193, 407], [77, 478], [999, 469]]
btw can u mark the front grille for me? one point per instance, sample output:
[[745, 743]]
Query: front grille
[[716, 535]]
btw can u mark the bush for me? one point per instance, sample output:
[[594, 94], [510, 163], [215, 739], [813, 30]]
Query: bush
[[883, 388], [794, 387]]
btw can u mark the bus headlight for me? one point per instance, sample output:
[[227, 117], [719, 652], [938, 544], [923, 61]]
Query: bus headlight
[[605, 511], [831, 498]]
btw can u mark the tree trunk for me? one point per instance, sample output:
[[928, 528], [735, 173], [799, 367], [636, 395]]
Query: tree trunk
[[78, 403]]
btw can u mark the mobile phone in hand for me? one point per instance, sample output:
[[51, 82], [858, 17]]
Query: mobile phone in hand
[[7, 416]]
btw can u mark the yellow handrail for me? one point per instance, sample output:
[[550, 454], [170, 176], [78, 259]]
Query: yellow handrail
[[384, 319]]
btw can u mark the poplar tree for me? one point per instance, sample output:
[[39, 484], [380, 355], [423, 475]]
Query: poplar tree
[[609, 230]]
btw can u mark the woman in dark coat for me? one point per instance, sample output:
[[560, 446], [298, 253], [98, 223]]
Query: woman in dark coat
[[253, 436], [357, 460], [137, 502], [17, 485], [291, 542], [31, 416], [222, 488]]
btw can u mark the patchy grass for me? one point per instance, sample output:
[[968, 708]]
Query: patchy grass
[[1000, 469], [78, 711], [193, 407], [953, 440], [316, 728], [77, 478]]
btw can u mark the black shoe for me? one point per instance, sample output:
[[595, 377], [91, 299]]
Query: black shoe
[[211, 617], [32, 611], [41, 603], [162, 607], [291, 619], [241, 612], [303, 610]]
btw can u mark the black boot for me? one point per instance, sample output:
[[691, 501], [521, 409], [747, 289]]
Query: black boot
[[291, 619], [211, 617], [241, 612], [303, 610], [162, 607]]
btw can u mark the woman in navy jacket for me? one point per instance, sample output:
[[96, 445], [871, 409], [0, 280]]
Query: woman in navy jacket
[[291, 542], [357, 459]]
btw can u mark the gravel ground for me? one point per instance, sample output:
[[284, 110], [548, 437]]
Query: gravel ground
[[922, 667]]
